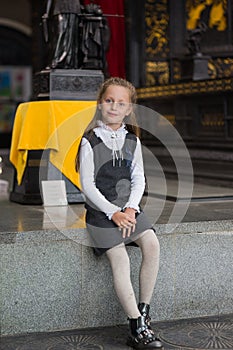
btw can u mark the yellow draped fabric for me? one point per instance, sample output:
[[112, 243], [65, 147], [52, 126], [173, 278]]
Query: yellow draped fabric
[[54, 125]]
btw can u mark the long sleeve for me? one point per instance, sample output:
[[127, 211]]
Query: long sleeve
[[88, 181], [137, 179]]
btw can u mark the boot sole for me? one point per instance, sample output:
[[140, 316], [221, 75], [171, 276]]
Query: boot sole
[[139, 346]]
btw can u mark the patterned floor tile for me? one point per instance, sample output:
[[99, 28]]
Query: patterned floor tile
[[191, 334]]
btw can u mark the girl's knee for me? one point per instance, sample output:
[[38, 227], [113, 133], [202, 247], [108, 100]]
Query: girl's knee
[[154, 242], [118, 256], [150, 243]]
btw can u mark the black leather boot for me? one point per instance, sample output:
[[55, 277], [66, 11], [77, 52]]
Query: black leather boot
[[145, 310], [141, 337]]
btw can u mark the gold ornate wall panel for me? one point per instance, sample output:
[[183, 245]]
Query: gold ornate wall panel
[[216, 15], [199, 106], [157, 43], [220, 67], [157, 73], [162, 66], [157, 20], [213, 12]]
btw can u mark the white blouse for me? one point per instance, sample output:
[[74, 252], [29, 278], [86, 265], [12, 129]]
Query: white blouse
[[115, 141]]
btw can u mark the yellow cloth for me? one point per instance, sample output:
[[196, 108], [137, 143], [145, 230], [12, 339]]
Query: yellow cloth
[[55, 125]]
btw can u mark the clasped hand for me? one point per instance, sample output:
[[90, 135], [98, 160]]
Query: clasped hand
[[125, 221]]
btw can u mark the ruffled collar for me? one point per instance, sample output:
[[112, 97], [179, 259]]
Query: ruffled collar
[[106, 127]]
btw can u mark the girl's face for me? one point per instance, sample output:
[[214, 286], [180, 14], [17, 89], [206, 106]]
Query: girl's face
[[115, 105]]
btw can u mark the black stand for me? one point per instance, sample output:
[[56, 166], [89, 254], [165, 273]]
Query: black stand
[[28, 192]]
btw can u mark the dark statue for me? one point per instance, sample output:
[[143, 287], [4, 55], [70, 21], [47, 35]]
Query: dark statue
[[95, 36], [62, 34], [77, 35], [194, 39]]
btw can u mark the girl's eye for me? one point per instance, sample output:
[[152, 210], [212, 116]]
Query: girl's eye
[[108, 100], [119, 104]]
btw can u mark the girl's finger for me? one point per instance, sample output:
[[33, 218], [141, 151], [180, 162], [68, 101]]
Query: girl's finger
[[129, 231]]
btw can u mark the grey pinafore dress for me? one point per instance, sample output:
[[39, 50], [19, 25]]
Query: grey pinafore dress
[[113, 179]]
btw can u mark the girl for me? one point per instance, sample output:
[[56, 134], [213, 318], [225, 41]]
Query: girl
[[112, 178]]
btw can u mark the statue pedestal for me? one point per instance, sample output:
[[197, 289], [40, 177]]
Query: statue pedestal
[[67, 84], [195, 68], [57, 84]]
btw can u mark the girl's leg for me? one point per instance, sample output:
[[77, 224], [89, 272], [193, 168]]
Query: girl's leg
[[120, 264], [140, 332], [149, 244]]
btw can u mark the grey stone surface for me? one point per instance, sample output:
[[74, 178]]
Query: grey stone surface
[[51, 282], [40, 286], [197, 275], [162, 306], [99, 301]]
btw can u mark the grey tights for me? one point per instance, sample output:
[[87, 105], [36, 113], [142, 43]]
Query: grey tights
[[120, 264]]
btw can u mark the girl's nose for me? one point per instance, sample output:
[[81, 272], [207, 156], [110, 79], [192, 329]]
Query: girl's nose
[[114, 105]]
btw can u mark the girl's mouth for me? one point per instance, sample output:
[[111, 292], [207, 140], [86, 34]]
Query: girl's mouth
[[112, 114]]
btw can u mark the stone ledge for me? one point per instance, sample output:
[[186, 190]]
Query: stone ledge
[[50, 282], [58, 232]]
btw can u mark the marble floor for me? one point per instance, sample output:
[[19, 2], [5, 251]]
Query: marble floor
[[199, 334], [169, 201], [17, 217], [208, 204]]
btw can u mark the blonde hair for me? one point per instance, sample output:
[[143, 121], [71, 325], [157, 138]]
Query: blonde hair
[[118, 82], [130, 120]]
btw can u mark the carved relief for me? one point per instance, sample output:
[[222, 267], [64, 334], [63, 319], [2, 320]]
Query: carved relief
[[157, 72], [217, 68], [212, 120], [157, 19], [211, 12], [220, 68]]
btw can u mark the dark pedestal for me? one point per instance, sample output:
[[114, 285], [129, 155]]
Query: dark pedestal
[[57, 84], [28, 192], [67, 84], [39, 168], [195, 68]]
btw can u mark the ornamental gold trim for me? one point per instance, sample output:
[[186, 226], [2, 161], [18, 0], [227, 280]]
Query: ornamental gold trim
[[191, 88]]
